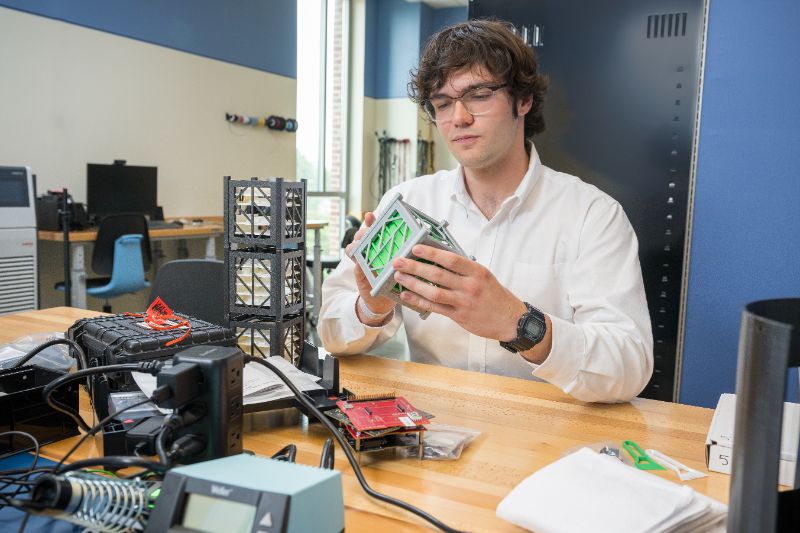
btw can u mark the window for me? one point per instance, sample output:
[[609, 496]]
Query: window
[[322, 37]]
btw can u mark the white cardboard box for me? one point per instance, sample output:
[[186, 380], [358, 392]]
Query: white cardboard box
[[719, 442]]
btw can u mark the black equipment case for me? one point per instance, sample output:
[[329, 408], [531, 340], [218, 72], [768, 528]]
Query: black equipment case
[[110, 340]]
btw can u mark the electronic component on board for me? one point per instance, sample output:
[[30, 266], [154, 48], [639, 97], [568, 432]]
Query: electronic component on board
[[377, 422]]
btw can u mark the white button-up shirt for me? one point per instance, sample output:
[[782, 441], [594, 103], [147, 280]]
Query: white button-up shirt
[[558, 243]]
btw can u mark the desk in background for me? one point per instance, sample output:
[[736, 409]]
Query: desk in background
[[79, 239], [211, 228], [316, 226], [525, 425]]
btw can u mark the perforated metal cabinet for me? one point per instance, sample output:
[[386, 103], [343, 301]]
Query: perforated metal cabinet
[[621, 112]]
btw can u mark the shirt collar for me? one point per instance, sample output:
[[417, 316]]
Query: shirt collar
[[459, 189]]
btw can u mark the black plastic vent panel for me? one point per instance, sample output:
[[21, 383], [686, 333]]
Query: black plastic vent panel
[[667, 25]]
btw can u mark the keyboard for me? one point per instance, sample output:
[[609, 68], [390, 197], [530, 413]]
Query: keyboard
[[163, 224]]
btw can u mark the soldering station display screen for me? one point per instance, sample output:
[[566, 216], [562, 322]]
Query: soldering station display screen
[[215, 515], [13, 189]]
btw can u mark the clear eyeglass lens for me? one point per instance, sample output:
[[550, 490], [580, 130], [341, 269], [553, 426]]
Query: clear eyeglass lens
[[476, 101]]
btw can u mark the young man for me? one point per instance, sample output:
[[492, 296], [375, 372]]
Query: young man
[[555, 290]]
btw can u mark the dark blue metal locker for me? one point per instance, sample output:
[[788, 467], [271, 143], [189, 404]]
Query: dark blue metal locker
[[621, 113]]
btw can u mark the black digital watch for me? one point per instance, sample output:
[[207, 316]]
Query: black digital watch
[[531, 329]]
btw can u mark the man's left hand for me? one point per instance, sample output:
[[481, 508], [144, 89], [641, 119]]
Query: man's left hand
[[464, 290]]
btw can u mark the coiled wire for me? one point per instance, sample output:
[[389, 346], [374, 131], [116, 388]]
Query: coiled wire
[[95, 502]]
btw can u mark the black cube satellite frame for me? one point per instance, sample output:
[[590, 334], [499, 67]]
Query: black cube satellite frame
[[265, 235]]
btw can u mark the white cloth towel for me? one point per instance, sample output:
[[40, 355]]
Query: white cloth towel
[[587, 491]]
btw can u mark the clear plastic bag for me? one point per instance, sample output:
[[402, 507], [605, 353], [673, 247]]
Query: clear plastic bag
[[54, 357], [606, 447], [442, 442]]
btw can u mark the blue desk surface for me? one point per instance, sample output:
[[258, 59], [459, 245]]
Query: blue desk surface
[[10, 518]]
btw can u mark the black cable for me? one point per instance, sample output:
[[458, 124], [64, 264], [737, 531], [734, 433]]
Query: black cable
[[327, 457], [79, 355], [109, 462], [35, 455], [84, 363], [14, 481], [72, 344], [97, 427], [14, 471], [185, 447], [309, 405], [161, 440], [150, 367], [23, 483], [172, 423], [287, 453], [25, 473], [72, 413], [115, 462]]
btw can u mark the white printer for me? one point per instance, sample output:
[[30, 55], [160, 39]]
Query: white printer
[[18, 279]]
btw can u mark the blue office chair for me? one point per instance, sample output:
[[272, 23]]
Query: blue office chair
[[121, 254], [127, 274]]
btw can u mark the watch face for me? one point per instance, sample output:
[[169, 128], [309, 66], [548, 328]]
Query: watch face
[[534, 329]]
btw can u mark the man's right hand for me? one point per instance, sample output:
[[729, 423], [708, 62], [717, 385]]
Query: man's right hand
[[379, 305]]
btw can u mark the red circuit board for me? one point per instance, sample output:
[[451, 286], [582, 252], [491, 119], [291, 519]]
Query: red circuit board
[[380, 414]]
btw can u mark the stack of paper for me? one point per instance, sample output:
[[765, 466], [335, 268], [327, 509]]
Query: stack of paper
[[260, 384], [587, 491]]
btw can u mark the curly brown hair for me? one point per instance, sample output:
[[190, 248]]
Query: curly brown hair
[[491, 45]]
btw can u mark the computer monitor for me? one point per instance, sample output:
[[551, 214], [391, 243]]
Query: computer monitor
[[118, 188]]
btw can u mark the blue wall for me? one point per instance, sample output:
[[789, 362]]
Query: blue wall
[[746, 224], [370, 47], [253, 33], [396, 31], [395, 43], [434, 20]]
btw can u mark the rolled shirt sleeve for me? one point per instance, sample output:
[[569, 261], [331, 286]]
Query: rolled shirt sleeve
[[339, 328]]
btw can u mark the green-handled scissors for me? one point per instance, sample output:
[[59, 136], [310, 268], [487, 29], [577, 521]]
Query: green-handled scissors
[[641, 460]]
